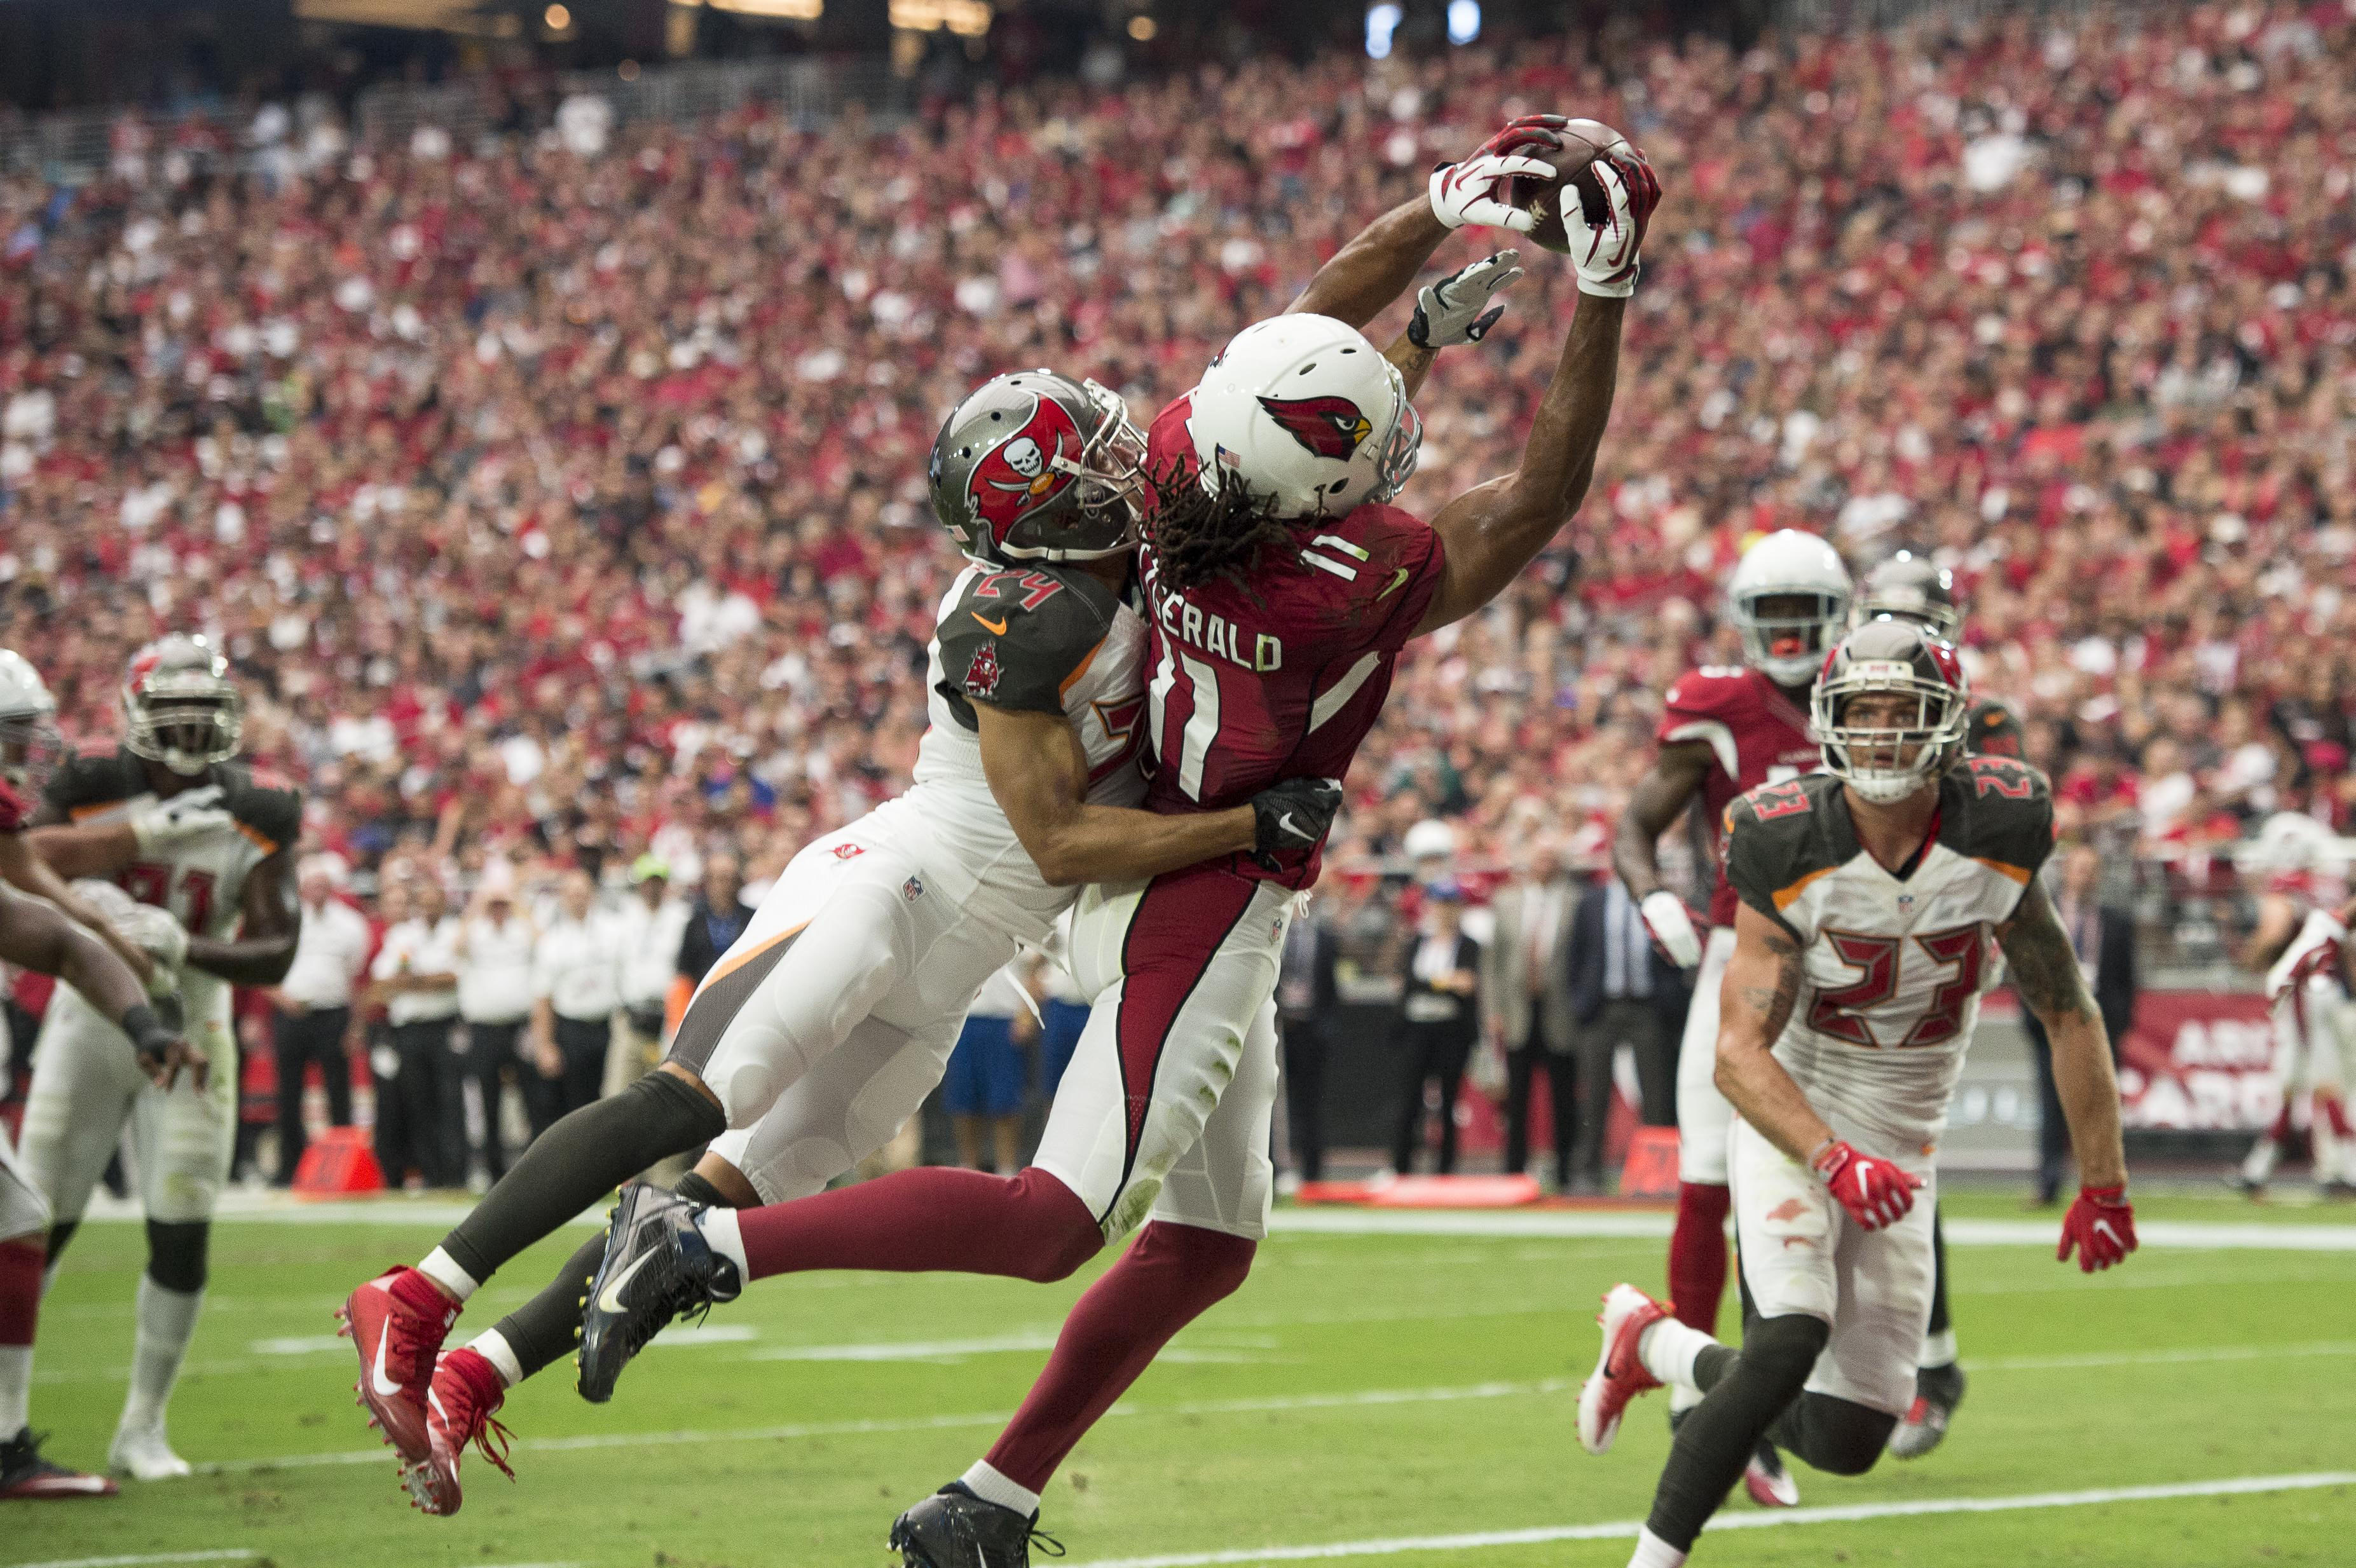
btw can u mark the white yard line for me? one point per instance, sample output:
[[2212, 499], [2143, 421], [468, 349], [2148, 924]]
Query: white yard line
[[228, 1554], [1765, 1519]]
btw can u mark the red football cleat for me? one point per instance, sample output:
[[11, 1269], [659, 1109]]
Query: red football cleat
[[1620, 1375], [466, 1393], [1769, 1480], [24, 1476], [396, 1320]]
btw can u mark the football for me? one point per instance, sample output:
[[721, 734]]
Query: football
[[1583, 142]]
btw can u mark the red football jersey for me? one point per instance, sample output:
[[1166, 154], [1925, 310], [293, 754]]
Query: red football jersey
[[1756, 736], [1282, 679], [15, 809]]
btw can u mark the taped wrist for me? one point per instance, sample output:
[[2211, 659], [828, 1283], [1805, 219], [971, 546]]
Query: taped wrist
[[146, 1031]]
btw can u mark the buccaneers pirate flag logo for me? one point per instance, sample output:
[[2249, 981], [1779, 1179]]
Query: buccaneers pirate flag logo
[[1328, 426], [1022, 473]]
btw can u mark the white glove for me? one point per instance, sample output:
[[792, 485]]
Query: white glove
[[1456, 309], [1472, 191], [191, 814], [1666, 917], [150, 930], [1605, 253]]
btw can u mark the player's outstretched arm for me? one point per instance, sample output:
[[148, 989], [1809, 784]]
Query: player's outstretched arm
[[270, 919], [33, 935], [27, 871], [2046, 974], [1762, 984], [1039, 775]]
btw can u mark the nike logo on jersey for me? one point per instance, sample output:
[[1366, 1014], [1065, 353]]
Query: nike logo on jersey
[[995, 629], [1392, 587], [610, 1298]]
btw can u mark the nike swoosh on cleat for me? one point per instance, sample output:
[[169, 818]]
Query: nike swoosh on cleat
[[384, 1385], [610, 1298]]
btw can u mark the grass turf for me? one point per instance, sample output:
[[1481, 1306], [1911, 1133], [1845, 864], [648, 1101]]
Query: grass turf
[[1359, 1387]]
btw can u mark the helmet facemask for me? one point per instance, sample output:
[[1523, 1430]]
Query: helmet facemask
[[179, 707], [1787, 632], [1886, 761], [30, 750], [1110, 469]]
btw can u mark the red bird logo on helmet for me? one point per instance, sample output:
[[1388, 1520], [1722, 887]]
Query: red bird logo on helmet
[[1019, 475], [1328, 426]]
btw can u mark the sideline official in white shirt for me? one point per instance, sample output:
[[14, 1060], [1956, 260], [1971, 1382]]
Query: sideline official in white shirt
[[495, 997], [576, 969], [416, 973], [315, 1004]]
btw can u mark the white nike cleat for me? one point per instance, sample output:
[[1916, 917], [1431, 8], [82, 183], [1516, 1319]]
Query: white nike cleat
[[1620, 1375], [1769, 1480], [143, 1454]]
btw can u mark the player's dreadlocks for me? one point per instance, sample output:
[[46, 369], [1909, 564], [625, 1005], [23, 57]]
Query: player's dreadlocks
[[1199, 535]]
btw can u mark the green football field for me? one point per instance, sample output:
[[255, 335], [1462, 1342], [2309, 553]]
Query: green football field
[[1369, 1396]]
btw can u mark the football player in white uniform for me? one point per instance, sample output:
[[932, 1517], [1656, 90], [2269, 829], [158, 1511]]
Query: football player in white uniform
[[33, 936], [1868, 893], [209, 846], [2300, 945]]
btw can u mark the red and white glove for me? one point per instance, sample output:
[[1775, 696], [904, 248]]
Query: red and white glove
[[1672, 926], [2101, 1226], [1467, 191], [1875, 1193], [1606, 260]]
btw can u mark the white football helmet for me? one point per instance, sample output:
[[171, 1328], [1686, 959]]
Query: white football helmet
[[1788, 564], [179, 706], [29, 743], [1308, 414]]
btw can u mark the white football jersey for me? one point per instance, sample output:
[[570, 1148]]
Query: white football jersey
[[1044, 639], [1895, 966]]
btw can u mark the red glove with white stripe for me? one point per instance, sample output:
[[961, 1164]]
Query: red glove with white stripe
[[1874, 1191], [2101, 1226]]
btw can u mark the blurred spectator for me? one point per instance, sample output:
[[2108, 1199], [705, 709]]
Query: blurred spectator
[[982, 1090], [1308, 997], [576, 966], [1624, 991], [648, 926], [416, 974], [2104, 938], [315, 1004], [1525, 986], [718, 919], [1439, 1023], [494, 996]]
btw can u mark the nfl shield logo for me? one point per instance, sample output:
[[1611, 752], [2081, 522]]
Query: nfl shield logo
[[913, 888], [1905, 903]]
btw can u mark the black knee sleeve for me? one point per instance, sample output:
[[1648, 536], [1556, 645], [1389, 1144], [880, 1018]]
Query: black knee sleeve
[[1716, 1438], [175, 1254], [576, 1162], [1833, 1434]]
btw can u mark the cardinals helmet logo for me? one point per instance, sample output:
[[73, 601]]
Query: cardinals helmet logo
[[1020, 473], [1328, 426]]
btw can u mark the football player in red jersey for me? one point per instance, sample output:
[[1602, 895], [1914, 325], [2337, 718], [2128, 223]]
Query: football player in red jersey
[[1727, 730], [1280, 585], [87, 954]]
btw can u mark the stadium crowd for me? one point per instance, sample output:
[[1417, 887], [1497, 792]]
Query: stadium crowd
[[560, 497]]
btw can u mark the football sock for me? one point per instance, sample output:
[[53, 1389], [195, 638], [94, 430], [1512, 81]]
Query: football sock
[[1651, 1551], [1714, 1443], [1939, 1349], [2260, 1165], [1836, 1435], [1170, 1277], [1668, 1350], [493, 1347], [20, 1310], [2326, 1136], [990, 1486], [545, 1329], [443, 1269], [1033, 1227], [726, 1237], [166, 1321], [576, 1162], [1697, 1255]]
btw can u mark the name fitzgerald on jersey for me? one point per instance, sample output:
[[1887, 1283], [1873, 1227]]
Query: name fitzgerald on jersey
[[1215, 634]]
